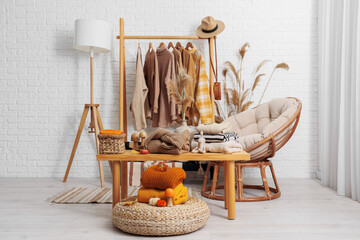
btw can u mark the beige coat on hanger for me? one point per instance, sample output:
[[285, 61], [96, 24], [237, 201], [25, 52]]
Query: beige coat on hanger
[[139, 104]]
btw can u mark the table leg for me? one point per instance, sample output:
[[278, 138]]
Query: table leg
[[230, 189], [124, 180], [116, 183], [225, 185]]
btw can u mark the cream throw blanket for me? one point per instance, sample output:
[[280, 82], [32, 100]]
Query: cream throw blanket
[[215, 128], [224, 147]]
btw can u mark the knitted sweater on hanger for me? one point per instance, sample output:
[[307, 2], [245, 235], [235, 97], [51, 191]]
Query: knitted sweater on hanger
[[167, 108], [189, 66], [139, 105], [188, 63], [178, 60], [151, 74]]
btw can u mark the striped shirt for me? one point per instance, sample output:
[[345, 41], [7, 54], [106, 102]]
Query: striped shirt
[[221, 137]]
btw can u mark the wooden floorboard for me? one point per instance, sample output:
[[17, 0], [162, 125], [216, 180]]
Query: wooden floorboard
[[306, 210]]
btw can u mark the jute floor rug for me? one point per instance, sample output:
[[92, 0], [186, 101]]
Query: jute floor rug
[[94, 195]]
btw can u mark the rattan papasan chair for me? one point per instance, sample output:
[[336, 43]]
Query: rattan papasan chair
[[262, 131]]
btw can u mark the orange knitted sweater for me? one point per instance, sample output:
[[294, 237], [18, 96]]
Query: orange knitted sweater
[[153, 178]]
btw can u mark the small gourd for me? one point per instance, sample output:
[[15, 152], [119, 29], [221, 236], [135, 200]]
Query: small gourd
[[161, 203], [153, 201]]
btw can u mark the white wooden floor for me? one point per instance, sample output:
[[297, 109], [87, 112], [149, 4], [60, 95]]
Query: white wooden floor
[[306, 210]]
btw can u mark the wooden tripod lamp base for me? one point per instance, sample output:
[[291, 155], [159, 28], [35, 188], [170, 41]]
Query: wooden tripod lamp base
[[95, 127], [91, 36]]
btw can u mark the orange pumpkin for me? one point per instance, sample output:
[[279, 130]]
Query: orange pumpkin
[[161, 203], [162, 167]]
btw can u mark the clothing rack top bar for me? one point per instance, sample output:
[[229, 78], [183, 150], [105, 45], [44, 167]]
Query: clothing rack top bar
[[160, 37]]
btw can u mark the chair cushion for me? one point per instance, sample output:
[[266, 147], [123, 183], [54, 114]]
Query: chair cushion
[[258, 123]]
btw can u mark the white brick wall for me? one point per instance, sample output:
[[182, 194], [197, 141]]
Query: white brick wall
[[45, 82]]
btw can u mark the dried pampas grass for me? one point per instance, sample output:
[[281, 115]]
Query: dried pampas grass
[[177, 91], [261, 65], [244, 49], [237, 98], [278, 66]]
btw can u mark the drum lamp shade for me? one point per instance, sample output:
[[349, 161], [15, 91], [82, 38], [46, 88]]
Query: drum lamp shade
[[92, 35]]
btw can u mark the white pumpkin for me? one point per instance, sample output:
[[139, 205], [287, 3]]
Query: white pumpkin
[[153, 201]]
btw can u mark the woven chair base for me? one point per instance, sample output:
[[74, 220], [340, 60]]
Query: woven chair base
[[270, 192], [143, 219]]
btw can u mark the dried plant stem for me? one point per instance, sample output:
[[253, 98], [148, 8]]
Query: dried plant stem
[[278, 66], [184, 111], [219, 110], [240, 75], [267, 85]]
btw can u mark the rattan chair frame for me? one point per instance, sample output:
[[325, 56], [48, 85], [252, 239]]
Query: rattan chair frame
[[260, 154]]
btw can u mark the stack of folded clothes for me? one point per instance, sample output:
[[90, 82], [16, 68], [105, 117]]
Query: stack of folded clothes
[[218, 138], [156, 179]]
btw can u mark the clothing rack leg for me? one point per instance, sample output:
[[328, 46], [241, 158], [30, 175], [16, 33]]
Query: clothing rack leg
[[121, 74], [122, 107], [211, 76]]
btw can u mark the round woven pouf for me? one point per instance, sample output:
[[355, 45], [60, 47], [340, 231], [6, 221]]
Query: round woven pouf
[[143, 219]]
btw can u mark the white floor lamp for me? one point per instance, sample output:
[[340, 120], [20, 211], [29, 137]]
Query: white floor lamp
[[92, 36]]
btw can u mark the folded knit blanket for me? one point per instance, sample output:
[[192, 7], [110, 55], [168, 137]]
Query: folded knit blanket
[[215, 128], [222, 137], [180, 194], [164, 141]]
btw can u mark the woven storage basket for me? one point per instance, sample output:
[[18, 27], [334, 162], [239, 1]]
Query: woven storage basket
[[143, 219], [111, 144]]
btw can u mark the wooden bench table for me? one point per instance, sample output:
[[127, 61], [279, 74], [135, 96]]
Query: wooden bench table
[[229, 160]]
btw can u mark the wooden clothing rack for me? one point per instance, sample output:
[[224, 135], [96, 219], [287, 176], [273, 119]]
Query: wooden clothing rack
[[122, 87]]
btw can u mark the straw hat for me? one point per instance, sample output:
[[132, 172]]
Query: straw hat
[[209, 27]]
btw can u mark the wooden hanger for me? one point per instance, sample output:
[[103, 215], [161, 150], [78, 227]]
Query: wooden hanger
[[162, 44], [171, 45], [189, 45], [150, 46], [178, 45]]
